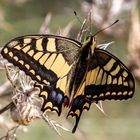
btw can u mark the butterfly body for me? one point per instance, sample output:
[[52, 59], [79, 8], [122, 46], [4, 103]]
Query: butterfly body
[[68, 73]]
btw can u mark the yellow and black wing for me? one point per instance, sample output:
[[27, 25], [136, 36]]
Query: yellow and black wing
[[45, 58], [49, 61], [106, 78]]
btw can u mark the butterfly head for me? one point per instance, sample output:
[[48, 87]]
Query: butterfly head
[[90, 44], [93, 44]]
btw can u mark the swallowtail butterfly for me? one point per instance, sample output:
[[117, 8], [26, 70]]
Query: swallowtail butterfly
[[69, 73]]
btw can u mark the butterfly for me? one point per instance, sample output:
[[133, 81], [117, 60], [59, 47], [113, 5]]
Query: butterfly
[[70, 74]]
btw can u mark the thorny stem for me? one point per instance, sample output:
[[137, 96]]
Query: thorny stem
[[10, 105], [53, 124]]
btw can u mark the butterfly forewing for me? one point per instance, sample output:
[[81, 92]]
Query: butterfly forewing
[[108, 78], [44, 58]]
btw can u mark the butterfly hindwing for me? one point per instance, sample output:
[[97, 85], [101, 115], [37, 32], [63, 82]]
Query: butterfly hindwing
[[79, 103], [108, 78], [53, 99]]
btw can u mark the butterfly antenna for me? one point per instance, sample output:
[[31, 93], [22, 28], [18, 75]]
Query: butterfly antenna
[[75, 13], [106, 27]]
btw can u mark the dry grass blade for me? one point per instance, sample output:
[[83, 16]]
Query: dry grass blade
[[66, 30], [44, 27]]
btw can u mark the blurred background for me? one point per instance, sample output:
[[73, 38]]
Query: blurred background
[[20, 17]]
